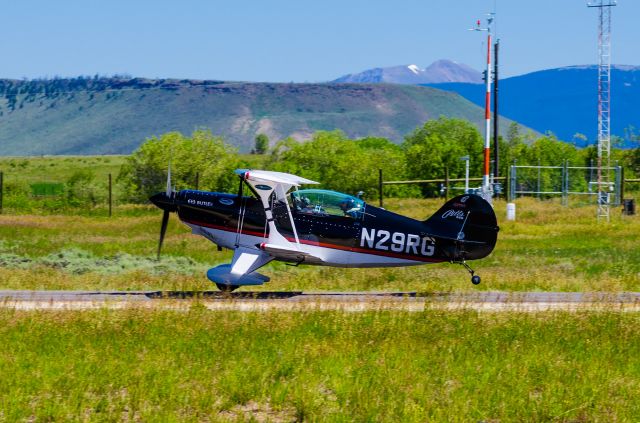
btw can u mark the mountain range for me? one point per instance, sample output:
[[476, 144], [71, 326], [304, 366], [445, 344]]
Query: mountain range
[[563, 101], [439, 71], [115, 115]]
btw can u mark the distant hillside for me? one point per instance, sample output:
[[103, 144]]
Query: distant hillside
[[564, 100], [115, 115], [438, 72]]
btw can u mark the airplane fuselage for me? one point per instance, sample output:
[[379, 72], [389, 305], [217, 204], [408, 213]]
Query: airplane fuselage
[[374, 238]]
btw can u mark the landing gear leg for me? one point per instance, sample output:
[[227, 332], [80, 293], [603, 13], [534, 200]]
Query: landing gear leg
[[226, 288], [475, 279]]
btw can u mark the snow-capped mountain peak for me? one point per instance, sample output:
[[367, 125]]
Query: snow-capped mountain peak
[[415, 69], [437, 72]]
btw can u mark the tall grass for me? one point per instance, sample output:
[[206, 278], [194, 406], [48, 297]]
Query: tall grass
[[320, 366]]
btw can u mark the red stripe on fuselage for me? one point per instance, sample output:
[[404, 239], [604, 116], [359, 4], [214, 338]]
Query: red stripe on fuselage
[[324, 244], [225, 228]]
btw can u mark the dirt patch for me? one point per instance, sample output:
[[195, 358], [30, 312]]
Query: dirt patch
[[253, 411]]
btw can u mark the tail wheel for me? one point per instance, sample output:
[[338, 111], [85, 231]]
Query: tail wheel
[[475, 279], [227, 288]]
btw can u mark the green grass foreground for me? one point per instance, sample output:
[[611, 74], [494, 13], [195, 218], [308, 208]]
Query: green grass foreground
[[549, 248], [142, 365]]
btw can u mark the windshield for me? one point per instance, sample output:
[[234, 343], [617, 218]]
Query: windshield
[[320, 202]]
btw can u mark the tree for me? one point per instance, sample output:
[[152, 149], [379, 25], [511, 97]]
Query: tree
[[549, 151], [80, 189], [339, 163], [261, 144], [439, 145], [145, 171]]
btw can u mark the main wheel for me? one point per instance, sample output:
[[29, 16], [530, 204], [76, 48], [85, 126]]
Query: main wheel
[[226, 288], [475, 279]]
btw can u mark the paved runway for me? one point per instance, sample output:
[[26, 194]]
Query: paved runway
[[298, 300]]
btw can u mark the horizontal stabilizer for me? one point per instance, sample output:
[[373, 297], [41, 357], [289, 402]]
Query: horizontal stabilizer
[[222, 274]]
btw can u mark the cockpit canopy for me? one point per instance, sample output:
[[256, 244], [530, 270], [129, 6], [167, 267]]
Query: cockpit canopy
[[320, 202]]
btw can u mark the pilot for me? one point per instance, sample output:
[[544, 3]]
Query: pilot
[[307, 207], [349, 207]]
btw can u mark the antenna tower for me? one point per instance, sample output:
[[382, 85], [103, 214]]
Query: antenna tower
[[604, 104], [487, 188]]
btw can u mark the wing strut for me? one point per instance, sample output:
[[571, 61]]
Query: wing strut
[[265, 184], [282, 194], [241, 212]]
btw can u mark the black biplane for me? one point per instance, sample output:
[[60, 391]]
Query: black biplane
[[321, 227]]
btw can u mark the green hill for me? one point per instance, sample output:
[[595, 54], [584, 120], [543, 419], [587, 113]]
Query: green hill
[[115, 115]]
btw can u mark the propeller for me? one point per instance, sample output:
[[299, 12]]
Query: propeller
[[166, 202], [163, 230]]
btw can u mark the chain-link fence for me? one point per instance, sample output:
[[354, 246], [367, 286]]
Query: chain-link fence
[[575, 183]]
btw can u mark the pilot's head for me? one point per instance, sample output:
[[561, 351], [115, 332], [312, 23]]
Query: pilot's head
[[347, 204]]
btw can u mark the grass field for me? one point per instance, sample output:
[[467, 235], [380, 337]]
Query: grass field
[[140, 365], [549, 247], [199, 365], [58, 168]]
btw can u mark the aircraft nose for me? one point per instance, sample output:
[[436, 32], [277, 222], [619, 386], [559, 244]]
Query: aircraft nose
[[164, 202]]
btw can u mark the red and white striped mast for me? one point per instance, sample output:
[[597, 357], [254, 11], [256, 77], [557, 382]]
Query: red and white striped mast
[[487, 191]]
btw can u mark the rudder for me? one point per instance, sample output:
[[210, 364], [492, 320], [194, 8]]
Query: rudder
[[470, 223]]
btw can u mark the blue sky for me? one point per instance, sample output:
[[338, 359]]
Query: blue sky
[[301, 41]]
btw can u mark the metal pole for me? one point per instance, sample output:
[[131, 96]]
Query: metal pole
[[1, 189], [466, 176], [621, 170], [110, 197], [446, 183], [564, 182], [496, 154], [380, 193], [197, 180], [539, 166], [513, 182], [486, 187], [618, 186], [487, 117]]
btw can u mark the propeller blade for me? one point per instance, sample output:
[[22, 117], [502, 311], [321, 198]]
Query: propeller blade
[[163, 230], [169, 189]]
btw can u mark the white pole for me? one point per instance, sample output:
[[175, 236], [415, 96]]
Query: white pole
[[486, 183], [466, 177], [487, 117]]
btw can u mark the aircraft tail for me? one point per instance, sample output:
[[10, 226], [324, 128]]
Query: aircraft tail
[[468, 226]]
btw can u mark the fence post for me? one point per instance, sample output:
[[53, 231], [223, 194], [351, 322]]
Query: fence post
[[565, 179], [513, 182], [621, 184], [1, 189], [197, 180], [110, 196], [380, 193], [539, 176], [446, 183]]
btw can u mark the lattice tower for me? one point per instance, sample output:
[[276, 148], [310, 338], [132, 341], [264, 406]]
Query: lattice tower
[[604, 106]]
